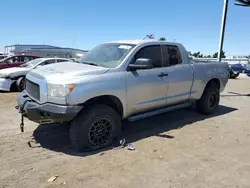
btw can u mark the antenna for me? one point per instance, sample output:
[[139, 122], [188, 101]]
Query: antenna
[[151, 36]]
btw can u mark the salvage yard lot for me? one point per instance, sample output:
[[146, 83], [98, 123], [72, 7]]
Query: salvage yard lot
[[177, 149]]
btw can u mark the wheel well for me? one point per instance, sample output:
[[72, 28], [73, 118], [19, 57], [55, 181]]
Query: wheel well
[[13, 86], [109, 100], [216, 81]]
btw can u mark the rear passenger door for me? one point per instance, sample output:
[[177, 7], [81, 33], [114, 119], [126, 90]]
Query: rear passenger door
[[180, 75]]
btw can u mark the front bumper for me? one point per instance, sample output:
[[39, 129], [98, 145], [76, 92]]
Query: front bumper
[[5, 84], [47, 112]]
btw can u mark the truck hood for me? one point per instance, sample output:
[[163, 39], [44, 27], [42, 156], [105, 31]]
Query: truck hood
[[15, 71], [66, 70]]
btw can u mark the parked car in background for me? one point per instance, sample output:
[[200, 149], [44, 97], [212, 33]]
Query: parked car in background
[[16, 60], [15, 77], [238, 68], [3, 56], [120, 80]]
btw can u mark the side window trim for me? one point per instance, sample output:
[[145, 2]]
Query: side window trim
[[165, 56], [162, 55], [19, 59]]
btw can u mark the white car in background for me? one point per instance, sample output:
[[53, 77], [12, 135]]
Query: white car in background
[[14, 78]]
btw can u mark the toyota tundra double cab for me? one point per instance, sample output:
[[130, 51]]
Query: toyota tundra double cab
[[120, 80]]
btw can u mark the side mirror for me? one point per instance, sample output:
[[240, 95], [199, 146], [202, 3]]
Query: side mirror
[[38, 66], [141, 63]]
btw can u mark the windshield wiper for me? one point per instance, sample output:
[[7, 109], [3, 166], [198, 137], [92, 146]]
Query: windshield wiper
[[91, 64]]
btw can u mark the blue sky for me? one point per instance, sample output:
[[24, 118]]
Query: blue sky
[[86, 23]]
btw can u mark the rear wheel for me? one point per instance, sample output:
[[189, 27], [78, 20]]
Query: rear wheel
[[20, 84], [95, 128], [209, 101]]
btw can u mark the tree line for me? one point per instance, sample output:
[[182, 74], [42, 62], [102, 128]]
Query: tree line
[[200, 55]]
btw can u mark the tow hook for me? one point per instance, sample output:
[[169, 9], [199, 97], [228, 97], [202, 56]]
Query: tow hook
[[22, 123], [22, 111]]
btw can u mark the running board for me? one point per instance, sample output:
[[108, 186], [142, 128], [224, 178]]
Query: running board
[[159, 111]]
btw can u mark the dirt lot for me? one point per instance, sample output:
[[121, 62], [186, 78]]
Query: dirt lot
[[177, 149]]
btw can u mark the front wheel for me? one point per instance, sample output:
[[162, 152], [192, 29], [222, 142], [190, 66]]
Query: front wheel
[[95, 128], [209, 101]]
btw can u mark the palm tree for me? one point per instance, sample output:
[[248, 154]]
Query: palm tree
[[244, 3], [162, 39]]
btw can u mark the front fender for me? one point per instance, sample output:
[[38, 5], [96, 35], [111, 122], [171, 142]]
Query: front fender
[[108, 84]]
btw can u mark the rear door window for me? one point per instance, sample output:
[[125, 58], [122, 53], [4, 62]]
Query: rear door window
[[51, 61], [26, 58], [61, 60], [172, 56]]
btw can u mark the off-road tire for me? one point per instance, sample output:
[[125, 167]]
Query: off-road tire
[[20, 84], [204, 104], [80, 126]]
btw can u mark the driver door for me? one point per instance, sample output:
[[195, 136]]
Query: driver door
[[147, 89]]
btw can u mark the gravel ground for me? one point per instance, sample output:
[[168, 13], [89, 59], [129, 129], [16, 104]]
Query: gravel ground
[[177, 149]]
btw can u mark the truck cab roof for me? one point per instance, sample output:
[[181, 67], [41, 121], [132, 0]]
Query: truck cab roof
[[137, 42]]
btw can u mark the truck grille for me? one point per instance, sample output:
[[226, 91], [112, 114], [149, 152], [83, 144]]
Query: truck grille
[[32, 89]]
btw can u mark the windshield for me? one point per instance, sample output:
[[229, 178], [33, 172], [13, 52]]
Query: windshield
[[32, 62], [107, 55]]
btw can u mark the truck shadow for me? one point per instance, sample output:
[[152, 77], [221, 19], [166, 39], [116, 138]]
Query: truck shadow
[[235, 94], [55, 137]]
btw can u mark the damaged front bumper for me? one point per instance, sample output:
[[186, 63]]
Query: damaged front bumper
[[47, 112]]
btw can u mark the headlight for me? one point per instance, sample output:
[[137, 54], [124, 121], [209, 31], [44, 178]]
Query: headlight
[[60, 90], [5, 75]]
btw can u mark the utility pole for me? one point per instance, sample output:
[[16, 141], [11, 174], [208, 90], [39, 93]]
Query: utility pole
[[222, 31]]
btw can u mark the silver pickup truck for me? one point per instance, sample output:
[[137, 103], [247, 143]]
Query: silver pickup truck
[[120, 80]]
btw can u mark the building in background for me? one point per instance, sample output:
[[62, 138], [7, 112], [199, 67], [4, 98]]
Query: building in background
[[44, 51]]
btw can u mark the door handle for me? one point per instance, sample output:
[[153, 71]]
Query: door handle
[[162, 74]]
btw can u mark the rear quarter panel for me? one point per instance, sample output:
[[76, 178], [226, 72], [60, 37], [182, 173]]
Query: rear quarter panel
[[204, 72]]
